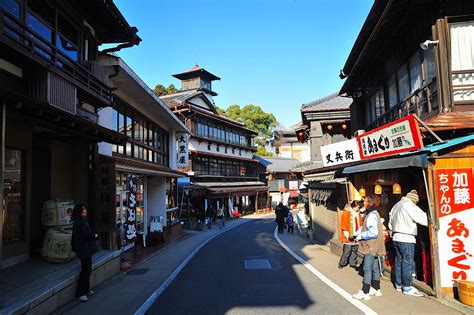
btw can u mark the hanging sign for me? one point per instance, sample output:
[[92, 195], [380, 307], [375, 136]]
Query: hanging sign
[[402, 135], [183, 157], [340, 152], [455, 207], [130, 224]]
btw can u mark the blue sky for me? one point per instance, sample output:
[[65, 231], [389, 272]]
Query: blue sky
[[277, 54]]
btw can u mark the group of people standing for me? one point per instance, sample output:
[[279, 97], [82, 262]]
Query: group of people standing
[[283, 213], [361, 232]]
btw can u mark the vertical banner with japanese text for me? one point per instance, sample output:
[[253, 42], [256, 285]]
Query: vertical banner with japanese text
[[130, 224], [182, 146], [456, 224]]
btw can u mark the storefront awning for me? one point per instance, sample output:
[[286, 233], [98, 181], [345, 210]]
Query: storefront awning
[[319, 176], [396, 162]]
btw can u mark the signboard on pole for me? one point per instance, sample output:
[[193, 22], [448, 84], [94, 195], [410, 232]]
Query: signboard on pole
[[456, 224], [183, 157], [340, 152], [130, 224], [402, 135]]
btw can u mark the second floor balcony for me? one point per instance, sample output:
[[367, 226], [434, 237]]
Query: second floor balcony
[[59, 52]]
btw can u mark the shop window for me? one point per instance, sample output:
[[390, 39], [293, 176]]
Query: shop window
[[14, 215], [171, 192]]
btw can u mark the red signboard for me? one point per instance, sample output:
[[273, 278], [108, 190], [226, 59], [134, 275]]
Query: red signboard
[[399, 136]]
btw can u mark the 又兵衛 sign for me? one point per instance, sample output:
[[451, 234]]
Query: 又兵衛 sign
[[456, 224], [340, 152], [402, 135]]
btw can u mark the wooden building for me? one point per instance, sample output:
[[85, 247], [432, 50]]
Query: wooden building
[[51, 88], [221, 169], [416, 57]]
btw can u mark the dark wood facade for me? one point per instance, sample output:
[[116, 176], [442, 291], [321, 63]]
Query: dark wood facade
[[390, 76], [51, 88]]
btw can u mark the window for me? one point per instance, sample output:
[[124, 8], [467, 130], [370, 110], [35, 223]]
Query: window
[[11, 6], [13, 207], [68, 38], [462, 60], [392, 91], [430, 66], [403, 84], [415, 71]]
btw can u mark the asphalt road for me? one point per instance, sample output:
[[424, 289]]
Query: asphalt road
[[220, 279]]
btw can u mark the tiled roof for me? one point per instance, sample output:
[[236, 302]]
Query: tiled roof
[[330, 102], [277, 164]]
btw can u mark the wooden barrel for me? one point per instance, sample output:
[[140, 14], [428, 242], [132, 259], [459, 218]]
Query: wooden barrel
[[466, 292], [57, 212]]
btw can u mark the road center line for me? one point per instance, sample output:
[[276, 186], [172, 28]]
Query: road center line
[[361, 306]]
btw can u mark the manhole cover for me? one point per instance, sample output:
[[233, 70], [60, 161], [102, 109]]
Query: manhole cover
[[257, 264], [138, 271]]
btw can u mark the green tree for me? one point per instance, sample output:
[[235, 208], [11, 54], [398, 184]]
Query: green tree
[[255, 119], [262, 152], [160, 90], [171, 89]]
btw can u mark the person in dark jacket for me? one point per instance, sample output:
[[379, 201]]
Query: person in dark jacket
[[280, 216], [83, 243]]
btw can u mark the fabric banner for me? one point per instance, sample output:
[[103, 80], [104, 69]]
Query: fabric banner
[[130, 224]]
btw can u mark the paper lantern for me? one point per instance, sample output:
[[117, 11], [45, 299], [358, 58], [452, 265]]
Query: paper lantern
[[329, 127], [362, 192], [396, 189], [344, 126], [378, 189]]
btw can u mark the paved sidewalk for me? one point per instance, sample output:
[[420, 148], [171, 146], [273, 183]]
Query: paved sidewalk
[[392, 302]]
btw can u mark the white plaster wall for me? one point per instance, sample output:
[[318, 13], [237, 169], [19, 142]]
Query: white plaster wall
[[156, 196], [173, 149], [105, 120], [196, 146]]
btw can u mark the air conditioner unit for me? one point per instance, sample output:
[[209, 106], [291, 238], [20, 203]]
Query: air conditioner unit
[[359, 132]]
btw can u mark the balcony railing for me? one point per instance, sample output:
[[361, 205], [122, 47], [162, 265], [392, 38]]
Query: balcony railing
[[26, 40], [463, 86], [423, 102]]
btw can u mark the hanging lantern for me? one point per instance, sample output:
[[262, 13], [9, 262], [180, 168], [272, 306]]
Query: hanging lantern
[[344, 126], [396, 189], [329, 127], [362, 192], [378, 189]]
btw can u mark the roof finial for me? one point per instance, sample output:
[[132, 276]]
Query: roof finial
[[196, 58]]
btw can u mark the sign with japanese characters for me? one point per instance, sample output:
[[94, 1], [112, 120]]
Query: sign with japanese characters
[[455, 207], [293, 185], [402, 135], [340, 153], [130, 223], [182, 146]]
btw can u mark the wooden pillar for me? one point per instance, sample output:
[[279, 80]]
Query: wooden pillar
[[2, 169]]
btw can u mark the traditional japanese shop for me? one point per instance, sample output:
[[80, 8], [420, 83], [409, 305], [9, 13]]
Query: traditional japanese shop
[[442, 174]]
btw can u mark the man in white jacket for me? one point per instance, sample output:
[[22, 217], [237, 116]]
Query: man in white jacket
[[404, 217]]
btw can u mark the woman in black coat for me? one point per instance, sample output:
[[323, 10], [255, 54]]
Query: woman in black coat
[[83, 243]]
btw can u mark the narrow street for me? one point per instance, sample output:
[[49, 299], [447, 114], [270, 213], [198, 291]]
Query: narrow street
[[246, 271]]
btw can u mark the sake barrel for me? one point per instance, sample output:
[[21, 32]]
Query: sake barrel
[[57, 213], [57, 245]]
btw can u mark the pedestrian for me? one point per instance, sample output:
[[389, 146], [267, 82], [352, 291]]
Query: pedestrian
[[280, 217], [290, 222], [83, 244], [403, 220], [351, 221], [220, 217], [209, 215], [372, 246]]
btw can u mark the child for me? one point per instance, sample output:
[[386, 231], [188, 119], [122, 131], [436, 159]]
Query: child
[[351, 221], [290, 222]]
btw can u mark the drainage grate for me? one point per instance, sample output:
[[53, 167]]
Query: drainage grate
[[257, 264], [138, 271]]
